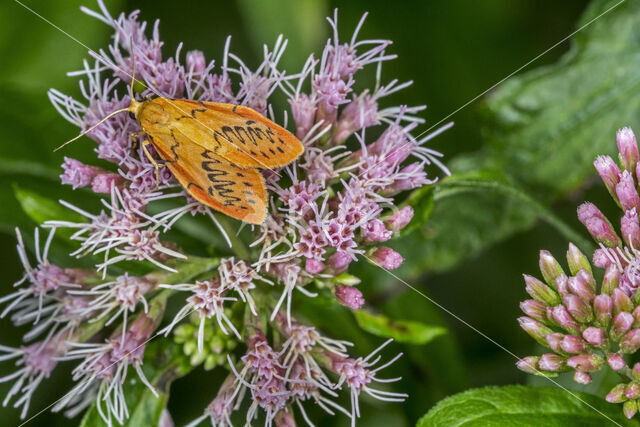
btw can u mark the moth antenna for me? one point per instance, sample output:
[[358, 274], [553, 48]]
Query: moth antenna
[[92, 127]]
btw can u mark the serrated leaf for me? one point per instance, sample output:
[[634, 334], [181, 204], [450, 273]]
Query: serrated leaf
[[524, 406], [405, 331]]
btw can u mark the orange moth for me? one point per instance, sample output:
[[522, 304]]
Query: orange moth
[[215, 150]]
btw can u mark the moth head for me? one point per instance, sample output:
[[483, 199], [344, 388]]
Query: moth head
[[152, 112]]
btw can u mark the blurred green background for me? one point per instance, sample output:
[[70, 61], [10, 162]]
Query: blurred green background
[[453, 50]]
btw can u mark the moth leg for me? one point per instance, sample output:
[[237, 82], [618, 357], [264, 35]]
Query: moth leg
[[153, 161], [134, 138]]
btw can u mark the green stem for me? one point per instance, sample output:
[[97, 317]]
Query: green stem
[[237, 245]]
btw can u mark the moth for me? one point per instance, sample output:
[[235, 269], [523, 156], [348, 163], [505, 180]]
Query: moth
[[215, 150]]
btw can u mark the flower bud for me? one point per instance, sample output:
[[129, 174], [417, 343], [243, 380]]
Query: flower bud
[[601, 259], [577, 260], [586, 362], [580, 286], [528, 364], [635, 372], [196, 62], [534, 309], [573, 344], [629, 408], [313, 266], [564, 320], [375, 231], [621, 302], [562, 285], [578, 308], [339, 262], [540, 292], [636, 317], [549, 267], [597, 225], [553, 341], [609, 172], [551, 362], [103, 183], [349, 296], [628, 148], [627, 193], [616, 395], [630, 228], [535, 329], [603, 310], [616, 361], [632, 390], [399, 219], [611, 279], [622, 322], [582, 377], [630, 342], [387, 258], [597, 337]]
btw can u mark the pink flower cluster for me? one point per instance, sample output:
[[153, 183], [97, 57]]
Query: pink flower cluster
[[333, 206], [589, 325]]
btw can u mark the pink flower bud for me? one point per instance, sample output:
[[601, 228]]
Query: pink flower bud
[[609, 172], [621, 302], [549, 267], [597, 337], [632, 390], [535, 329], [77, 174], [562, 285], [628, 148], [616, 361], [303, 110], [339, 262], [630, 229], [580, 285], [601, 259], [534, 309], [540, 292], [627, 193], [375, 231], [597, 225], [104, 182], [551, 362], [629, 408], [603, 309], [586, 362], [196, 62], [578, 308], [554, 340], [611, 279], [349, 296], [564, 320], [387, 258], [577, 260], [616, 395], [528, 364], [636, 371], [636, 316], [313, 266], [582, 377], [399, 219], [630, 342], [622, 322], [573, 344]]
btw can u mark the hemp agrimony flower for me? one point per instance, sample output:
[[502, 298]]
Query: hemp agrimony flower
[[589, 325], [237, 306]]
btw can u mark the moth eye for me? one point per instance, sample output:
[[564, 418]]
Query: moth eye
[[133, 116]]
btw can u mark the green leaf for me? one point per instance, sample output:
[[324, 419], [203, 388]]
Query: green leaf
[[405, 331], [41, 209], [550, 123], [471, 211], [523, 406]]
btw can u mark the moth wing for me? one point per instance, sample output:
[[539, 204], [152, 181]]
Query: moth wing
[[236, 133], [210, 179]]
